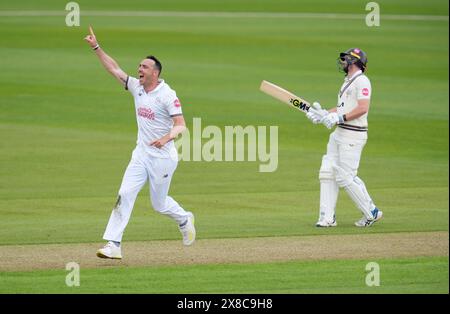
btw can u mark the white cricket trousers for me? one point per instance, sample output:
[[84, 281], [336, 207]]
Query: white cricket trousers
[[142, 168], [339, 170]]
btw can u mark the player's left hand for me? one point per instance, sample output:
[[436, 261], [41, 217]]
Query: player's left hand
[[161, 142], [316, 113], [331, 120]]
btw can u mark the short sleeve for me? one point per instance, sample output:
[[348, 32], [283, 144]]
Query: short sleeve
[[363, 88], [173, 105], [132, 85]]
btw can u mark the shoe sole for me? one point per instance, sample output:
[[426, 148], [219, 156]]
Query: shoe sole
[[101, 255], [329, 226], [334, 224], [195, 233], [375, 220], [370, 225]]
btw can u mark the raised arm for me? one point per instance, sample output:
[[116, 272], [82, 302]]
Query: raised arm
[[109, 63]]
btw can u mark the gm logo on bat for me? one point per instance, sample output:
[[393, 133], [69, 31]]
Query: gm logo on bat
[[299, 104]]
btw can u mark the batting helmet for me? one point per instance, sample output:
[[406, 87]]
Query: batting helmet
[[352, 56]]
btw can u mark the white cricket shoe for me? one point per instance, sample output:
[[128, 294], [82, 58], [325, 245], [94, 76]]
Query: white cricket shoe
[[188, 230], [364, 222], [110, 250], [322, 223]]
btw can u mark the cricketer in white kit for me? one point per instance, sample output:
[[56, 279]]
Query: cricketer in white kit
[[154, 160], [340, 164]]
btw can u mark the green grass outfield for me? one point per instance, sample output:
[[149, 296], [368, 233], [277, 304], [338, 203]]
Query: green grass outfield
[[68, 129], [415, 275]]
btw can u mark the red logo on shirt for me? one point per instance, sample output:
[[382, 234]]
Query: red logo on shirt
[[365, 91], [177, 103], [146, 113]]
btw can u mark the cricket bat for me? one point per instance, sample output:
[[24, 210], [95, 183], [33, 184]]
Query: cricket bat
[[284, 96]]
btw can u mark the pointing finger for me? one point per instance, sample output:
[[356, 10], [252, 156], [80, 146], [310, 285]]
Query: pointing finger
[[91, 31]]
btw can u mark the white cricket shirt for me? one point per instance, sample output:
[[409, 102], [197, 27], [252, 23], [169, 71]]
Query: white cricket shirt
[[354, 88], [154, 112]]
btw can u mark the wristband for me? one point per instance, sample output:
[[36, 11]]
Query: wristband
[[96, 47], [344, 117]]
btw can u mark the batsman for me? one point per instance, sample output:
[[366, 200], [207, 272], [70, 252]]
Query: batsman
[[340, 163]]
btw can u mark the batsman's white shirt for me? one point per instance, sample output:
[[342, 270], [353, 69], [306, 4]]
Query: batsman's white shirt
[[354, 88], [154, 112]]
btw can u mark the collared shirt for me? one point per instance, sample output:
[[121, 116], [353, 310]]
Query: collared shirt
[[154, 113], [354, 88]]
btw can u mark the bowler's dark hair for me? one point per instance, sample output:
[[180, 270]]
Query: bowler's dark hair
[[158, 64]]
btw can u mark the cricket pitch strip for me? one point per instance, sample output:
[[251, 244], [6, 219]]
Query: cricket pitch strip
[[226, 251]]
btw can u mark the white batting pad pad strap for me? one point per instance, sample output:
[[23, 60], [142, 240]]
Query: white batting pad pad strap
[[329, 192], [326, 169]]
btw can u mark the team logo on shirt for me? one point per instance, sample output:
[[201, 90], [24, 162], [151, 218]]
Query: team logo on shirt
[[177, 103], [146, 113], [365, 91]]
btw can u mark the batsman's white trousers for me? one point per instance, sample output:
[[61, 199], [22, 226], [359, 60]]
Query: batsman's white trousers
[[142, 168], [339, 169]]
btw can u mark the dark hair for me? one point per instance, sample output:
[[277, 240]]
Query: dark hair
[[360, 65], [158, 64]]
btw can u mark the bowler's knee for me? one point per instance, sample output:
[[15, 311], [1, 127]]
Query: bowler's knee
[[159, 205], [125, 193]]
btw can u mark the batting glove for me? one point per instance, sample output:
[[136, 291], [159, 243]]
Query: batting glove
[[332, 119], [316, 113]]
